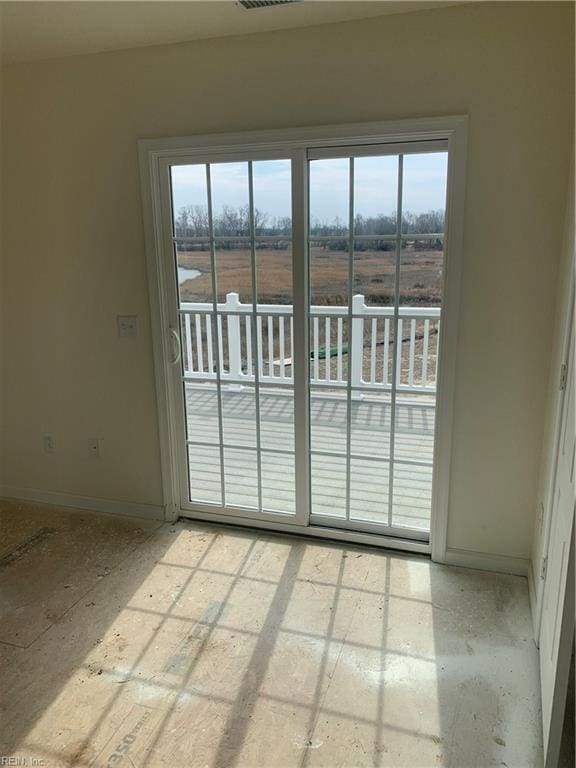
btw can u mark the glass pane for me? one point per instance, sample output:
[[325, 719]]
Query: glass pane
[[189, 200], [201, 405], [414, 428], [328, 485], [273, 219], [413, 442], [277, 418], [418, 353], [239, 415], [234, 272], [236, 345], [230, 208], [274, 335], [370, 425], [278, 482], [329, 197], [375, 195], [329, 261], [421, 273], [428, 345], [369, 490], [193, 265], [375, 272], [274, 271], [328, 420], [329, 348], [198, 345], [241, 477], [424, 192], [412, 496], [375, 203], [204, 473], [272, 197], [190, 215], [373, 352]]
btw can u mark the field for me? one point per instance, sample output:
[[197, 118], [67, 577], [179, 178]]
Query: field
[[420, 276], [420, 285]]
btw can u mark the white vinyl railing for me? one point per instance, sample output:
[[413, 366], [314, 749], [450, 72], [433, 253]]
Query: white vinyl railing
[[369, 351]]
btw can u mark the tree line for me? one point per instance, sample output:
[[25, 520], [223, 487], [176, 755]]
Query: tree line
[[193, 221]]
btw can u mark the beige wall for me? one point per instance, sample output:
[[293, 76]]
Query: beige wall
[[74, 247]]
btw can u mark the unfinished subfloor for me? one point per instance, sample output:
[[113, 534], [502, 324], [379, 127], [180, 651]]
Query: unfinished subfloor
[[134, 643]]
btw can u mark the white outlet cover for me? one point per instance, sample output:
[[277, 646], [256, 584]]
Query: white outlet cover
[[127, 325]]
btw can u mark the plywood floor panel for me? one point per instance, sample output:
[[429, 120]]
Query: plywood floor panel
[[210, 646]]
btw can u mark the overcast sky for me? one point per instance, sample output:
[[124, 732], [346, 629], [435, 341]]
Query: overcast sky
[[375, 186]]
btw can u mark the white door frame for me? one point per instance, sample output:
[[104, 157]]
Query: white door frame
[[555, 648], [537, 581], [156, 154]]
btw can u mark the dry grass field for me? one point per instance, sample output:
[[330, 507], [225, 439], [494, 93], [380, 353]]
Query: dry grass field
[[420, 276], [420, 285]]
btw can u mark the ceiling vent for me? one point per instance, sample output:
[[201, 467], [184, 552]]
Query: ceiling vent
[[252, 4]]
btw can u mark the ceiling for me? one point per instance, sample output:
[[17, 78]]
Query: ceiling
[[42, 30]]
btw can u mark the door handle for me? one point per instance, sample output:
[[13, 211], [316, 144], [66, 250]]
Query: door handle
[[176, 337]]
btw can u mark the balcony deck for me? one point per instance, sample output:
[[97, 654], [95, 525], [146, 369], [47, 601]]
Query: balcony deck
[[370, 450]]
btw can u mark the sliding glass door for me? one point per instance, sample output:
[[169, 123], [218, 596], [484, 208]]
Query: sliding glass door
[[232, 251], [304, 299], [376, 232]]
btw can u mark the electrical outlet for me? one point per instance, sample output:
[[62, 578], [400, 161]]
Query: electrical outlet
[[127, 325], [48, 442], [95, 447]]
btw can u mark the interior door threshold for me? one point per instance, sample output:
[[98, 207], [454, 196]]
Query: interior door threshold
[[313, 531]]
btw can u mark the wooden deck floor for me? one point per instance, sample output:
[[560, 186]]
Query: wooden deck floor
[[370, 453]]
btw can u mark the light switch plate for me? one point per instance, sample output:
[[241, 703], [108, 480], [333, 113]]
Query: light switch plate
[[127, 325]]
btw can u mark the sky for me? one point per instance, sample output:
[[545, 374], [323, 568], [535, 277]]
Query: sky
[[375, 185]]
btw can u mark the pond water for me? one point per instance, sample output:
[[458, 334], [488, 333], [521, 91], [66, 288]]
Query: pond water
[[187, 274]]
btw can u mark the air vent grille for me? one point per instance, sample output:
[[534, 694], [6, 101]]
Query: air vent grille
[[252, 4]]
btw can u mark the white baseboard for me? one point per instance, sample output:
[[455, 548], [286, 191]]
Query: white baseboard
[[461, 557], [485, 562], [108, 506]]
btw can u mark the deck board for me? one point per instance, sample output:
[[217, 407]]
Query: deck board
[[370, 445]]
